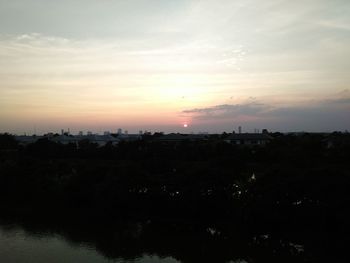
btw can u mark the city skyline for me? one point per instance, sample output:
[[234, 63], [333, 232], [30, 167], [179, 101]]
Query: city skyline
[[159, 65]]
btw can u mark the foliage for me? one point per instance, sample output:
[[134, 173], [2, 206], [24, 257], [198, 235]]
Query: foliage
[[296, 181]]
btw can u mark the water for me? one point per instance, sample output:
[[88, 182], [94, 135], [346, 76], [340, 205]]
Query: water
[[18, 245], [80, 240]]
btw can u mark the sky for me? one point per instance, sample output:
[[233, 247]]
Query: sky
[[98, 65]]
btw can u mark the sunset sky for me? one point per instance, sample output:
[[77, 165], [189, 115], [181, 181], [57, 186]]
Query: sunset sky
[[159, 64]]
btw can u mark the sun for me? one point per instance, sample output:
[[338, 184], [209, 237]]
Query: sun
[[185, 125]]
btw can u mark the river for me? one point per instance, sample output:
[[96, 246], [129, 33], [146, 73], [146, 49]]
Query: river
[[18, 245], [146, 241]]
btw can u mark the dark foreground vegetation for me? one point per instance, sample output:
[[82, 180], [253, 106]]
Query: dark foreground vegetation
[[295, 188]]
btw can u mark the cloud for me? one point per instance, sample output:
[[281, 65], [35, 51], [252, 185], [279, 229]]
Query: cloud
[[250, 108], [344, 101], [334, 24], [313, 115]]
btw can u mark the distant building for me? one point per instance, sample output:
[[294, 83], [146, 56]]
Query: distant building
[[102, 140], [24, 139], [248, 138], [178, 137], [129, 137], [64, 139]]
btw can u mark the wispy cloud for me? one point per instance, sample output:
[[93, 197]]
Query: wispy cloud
[[229, 110], [313, 114]]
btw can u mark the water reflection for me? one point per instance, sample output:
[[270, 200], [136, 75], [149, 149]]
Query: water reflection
[[145, 241], [18, 246], [23, 243]]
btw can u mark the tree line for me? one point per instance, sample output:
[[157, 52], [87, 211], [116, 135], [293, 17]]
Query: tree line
[[294, 182]]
